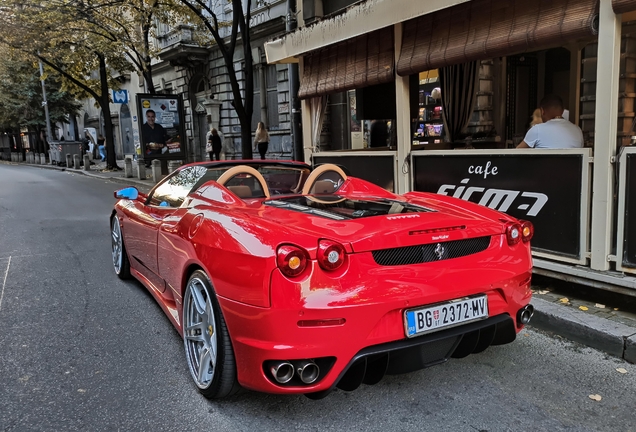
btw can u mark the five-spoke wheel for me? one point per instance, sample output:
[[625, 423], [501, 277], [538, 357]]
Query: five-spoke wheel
[[120, 258], [207, 344]]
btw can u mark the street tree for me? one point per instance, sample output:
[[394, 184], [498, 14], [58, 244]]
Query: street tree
[[130, 24], [111, 36], [88, 58], [207, 14], [21, 95]]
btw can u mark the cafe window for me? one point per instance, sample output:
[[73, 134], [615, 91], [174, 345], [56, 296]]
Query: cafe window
[[428, 126]]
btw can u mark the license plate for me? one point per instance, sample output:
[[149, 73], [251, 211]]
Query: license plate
[[432, 318]]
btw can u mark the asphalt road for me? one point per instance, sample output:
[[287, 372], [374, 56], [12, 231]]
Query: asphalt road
[[81, 350]]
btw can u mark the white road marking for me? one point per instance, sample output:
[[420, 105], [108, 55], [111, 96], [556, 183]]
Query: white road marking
[[24, 256], [6, 273]]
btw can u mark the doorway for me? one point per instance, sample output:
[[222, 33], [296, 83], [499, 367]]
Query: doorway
[[529, 77], [126, 130]]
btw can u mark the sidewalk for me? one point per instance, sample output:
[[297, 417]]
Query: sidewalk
[[589, 316], [98, 170]]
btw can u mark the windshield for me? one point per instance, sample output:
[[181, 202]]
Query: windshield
[[280, 180], [284, 180]]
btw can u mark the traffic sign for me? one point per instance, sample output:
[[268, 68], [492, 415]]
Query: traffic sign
[[120, 96]]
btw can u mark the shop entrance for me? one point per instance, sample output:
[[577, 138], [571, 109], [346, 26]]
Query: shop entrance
[[529, 77]]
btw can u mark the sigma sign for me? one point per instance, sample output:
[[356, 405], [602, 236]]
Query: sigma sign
[[498, 199], [545, 188]]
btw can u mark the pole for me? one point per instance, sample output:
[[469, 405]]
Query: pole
[[292, 73], [49, 135]]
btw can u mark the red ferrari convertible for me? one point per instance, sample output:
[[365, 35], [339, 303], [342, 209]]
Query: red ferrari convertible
[[284, 279]]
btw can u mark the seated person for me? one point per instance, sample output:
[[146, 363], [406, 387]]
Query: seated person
[[555, 132]]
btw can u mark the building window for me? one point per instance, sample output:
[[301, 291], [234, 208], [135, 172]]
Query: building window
[[272, 96], [256, 104]]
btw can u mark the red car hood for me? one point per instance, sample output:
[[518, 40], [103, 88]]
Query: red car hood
[[387, 231]]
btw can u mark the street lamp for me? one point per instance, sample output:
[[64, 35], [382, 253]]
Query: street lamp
[[49, 136]]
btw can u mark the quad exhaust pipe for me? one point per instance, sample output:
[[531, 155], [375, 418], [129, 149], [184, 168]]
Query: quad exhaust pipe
[[525, 314], [282, 371], [308, 371]]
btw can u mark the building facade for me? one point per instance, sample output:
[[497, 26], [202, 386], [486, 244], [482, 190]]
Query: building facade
[[198, 76]]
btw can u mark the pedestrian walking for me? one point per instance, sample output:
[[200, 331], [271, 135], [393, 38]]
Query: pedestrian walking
[[214, 145], [101, 145], [261, 139]]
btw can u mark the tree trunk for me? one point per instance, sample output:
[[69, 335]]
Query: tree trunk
[[246, 142], [104, 102], [150, 86]]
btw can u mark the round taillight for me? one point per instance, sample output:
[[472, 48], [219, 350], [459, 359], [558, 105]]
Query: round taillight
[[291, 260], [527, 231], [330, 255], [513, 233]]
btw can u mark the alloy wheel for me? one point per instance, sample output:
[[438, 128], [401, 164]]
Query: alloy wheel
[[200, 333], [116, 245]]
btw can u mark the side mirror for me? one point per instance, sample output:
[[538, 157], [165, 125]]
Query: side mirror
[[130, 193]]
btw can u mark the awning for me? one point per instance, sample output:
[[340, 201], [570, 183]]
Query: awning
[[358, 19], [623, 6], [360, 62], [483, 29]]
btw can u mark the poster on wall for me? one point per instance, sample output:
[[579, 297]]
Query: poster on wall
[[162, 134]]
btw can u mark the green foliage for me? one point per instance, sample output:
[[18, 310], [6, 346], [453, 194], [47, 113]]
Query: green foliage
[[21, 94]]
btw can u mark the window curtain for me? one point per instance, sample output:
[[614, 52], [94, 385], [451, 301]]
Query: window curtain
[[359, 62], [623, 6], [482, 29], [459, 86], [318, 106]]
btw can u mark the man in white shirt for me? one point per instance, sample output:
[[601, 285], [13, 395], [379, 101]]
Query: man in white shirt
[[555, 132]]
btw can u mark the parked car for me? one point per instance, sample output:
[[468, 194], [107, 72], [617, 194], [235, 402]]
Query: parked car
[[284, 279]]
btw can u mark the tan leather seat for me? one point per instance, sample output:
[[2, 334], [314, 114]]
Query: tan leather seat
[[322, 187], [241, 191], [228, 175]]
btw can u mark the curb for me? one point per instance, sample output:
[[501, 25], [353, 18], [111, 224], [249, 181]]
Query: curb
[[611, 337]]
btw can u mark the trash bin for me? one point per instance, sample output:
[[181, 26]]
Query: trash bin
[[59, 150]]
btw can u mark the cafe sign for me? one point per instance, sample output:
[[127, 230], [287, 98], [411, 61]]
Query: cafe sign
[[548, 188], [626, 241]]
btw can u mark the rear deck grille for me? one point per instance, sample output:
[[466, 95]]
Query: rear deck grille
[[430, 252]]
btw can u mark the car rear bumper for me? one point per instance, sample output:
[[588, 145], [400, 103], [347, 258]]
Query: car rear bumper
[[371, 341]]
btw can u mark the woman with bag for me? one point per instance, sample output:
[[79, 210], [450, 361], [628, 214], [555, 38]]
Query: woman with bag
[[214, 145], [261, 139]]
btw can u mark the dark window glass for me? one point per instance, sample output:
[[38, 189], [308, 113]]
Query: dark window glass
[[270, 77], [256, 114]]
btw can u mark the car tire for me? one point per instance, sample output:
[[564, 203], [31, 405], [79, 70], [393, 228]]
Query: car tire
[[207, 343], [120, 256]]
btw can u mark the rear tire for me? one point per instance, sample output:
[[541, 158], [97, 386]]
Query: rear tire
[[207, 343], [120, 256]]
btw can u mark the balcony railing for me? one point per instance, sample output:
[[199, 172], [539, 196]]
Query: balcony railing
[[182, 34]]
